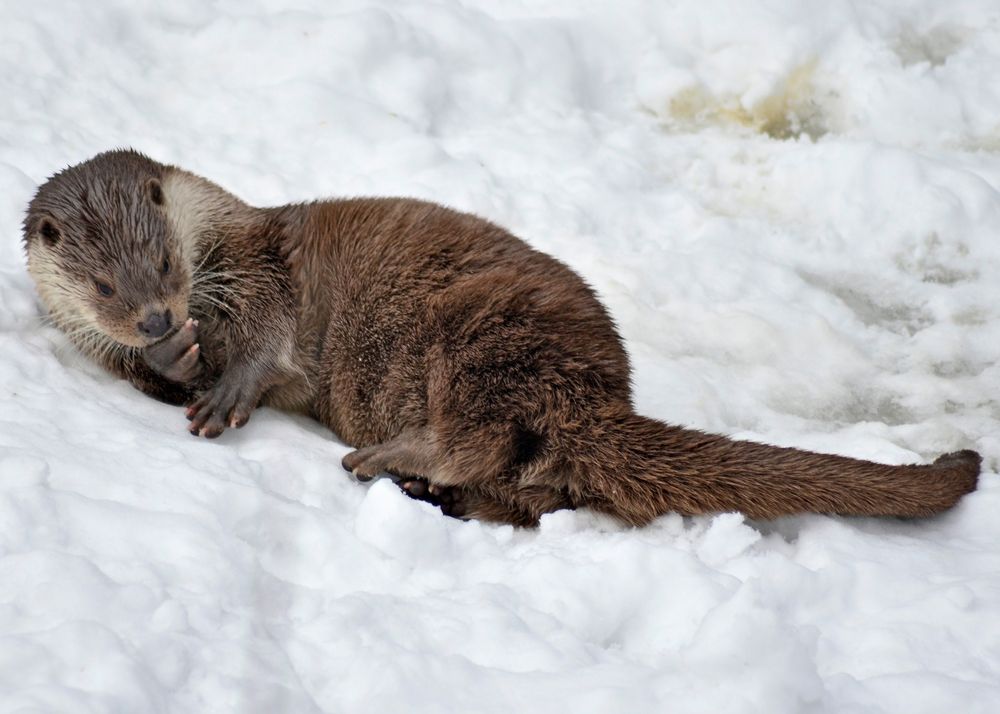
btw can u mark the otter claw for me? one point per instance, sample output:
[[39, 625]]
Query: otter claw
[[225, 405], [416, 489], [359, 464]]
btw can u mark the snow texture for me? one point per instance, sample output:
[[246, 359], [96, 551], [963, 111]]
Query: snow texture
[[791, 208]]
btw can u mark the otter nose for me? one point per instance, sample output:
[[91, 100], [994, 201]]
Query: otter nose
[[155, 325]]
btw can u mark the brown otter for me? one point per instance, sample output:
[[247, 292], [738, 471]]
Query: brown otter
[[482, 373]]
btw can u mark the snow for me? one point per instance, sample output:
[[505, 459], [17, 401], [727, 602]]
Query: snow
[[791, 209]]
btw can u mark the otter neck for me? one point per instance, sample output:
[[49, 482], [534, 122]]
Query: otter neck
[[201, 214]]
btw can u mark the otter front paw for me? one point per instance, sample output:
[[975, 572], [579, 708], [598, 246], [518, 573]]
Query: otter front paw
[[227, 404], [178, 357]]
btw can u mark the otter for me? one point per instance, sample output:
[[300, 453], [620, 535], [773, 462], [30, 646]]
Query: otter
[[483, 375]]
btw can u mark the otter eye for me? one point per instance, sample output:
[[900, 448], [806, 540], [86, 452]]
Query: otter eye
[[104, 289], [165, 267]]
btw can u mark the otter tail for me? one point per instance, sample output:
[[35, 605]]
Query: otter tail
[[638, 468]]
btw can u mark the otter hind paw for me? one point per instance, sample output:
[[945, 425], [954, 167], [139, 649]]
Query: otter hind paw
[[448, 498]]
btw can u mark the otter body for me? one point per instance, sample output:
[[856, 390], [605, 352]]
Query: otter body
[[485, 375]]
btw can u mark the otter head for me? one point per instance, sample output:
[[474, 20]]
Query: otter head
[[104, 254]]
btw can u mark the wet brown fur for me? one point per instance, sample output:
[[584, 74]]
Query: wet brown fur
[[443, 348]]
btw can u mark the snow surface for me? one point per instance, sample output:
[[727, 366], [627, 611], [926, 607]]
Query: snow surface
[[791, 208]]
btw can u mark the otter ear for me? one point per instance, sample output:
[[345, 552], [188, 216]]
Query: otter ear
[[155, 191], [48, 229]]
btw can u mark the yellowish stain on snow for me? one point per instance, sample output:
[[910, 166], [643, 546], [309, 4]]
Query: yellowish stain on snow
[[789, 112]]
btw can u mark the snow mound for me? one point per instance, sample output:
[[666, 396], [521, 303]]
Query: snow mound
[[914, 75], [791, 210]]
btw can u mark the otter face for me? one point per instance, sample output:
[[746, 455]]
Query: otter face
[[102, 252]]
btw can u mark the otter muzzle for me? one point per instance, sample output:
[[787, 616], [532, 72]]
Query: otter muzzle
[[155, 325]]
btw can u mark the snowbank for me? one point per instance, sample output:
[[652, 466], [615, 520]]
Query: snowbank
[[792, 211]]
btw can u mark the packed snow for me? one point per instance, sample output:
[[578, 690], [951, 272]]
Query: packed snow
[[793, 212]]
